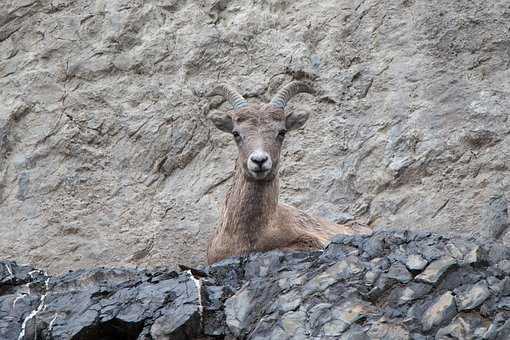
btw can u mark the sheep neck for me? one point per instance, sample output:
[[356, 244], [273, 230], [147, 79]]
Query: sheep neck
[[249, 206]]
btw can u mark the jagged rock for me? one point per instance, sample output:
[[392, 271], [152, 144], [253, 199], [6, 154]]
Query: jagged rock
[[273, 295], [495, 216], [462, 327], [117, 303], [465, 252], [416, 262], [237, 310], [414, 291], [504, 266], [399, 272], [441, 311], [435, 270], [384, 329], [472, 297]]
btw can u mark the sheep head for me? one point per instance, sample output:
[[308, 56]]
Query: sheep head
[[259, 130]]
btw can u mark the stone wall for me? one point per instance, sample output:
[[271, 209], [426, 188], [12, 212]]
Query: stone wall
[[106, 157]]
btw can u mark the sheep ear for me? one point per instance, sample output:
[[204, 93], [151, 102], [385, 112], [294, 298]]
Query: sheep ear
[[222, 121], [294, 121]]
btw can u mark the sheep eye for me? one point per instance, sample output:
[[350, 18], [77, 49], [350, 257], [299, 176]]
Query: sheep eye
[[282, 133], [236, 134]]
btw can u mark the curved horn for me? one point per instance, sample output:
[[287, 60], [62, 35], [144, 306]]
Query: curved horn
[[233, 97], [281, 98]]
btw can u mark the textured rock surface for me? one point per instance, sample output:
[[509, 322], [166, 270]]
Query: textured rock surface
[[319, 295], [106, 157]]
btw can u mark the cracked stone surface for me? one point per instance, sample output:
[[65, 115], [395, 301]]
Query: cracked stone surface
[[106, 157], [274, 295]]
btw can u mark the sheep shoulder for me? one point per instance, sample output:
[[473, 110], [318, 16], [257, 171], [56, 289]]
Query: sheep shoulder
[[299, 230]]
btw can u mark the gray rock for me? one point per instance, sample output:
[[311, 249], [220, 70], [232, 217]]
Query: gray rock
[[292, 325], [504, 266], [399, 272], [414, 291], [88, 304], [329, 321], [385, 330], [372, 276], [472, 297], [237, 311], [213, 316], [473, 255], [416, 336], [440, 312], [458, 329], [470, 325], [268, 296], [495, 217], [435, 270], [21, 289], [182, 322], [504, 303], [415, 262], [355, 334], [465, 252], [334, 327], [341, 270], [289, 301], [499, 329], [318, 315]]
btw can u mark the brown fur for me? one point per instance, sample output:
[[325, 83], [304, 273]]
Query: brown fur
[[252, 219]]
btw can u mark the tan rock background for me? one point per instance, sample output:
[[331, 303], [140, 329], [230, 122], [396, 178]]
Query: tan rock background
[[106, 157]]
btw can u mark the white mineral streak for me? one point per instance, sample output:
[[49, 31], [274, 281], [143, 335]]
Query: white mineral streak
[[19, 297], [198, 284], [52, 322], [39, 308], [9, 269]]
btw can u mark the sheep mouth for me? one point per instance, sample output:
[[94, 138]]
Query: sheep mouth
[[260, 173]]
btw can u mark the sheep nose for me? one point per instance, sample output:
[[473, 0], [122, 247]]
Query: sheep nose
[[259, 158]]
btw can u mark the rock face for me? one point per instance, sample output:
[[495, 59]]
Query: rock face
[[106, 156], [349, 291]]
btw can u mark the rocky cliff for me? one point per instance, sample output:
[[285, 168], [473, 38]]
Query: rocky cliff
[[392, 285], [106, 157]]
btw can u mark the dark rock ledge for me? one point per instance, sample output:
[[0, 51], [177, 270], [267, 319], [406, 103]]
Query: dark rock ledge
[[392, 285]]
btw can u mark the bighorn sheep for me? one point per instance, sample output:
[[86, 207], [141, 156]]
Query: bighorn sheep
[[252, 220]]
